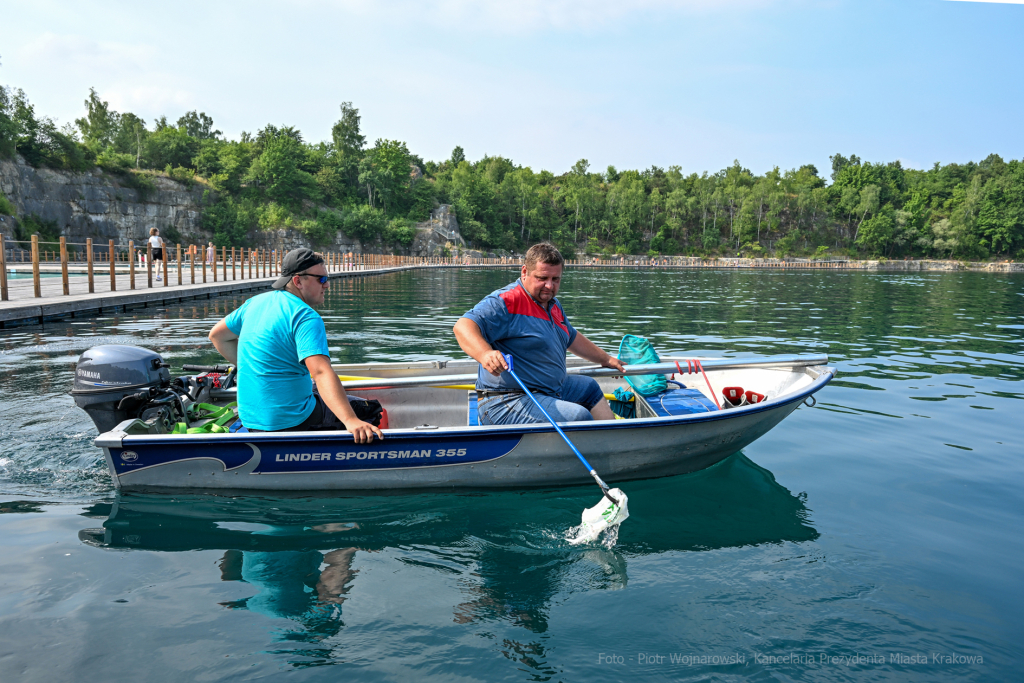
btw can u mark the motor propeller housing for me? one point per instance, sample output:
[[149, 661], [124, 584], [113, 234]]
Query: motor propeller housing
[[114, 383]]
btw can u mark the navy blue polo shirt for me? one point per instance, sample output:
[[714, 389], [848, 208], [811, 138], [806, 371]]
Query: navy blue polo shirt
[[537, 339]]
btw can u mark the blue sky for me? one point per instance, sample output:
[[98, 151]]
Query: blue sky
[[696, 83]]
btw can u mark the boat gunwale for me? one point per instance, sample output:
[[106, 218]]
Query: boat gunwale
[[826, 374]]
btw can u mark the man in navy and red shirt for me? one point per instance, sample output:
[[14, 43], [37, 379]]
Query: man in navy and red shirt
[[526, 321]]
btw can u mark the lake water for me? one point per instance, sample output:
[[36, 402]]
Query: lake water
[[876, 536]]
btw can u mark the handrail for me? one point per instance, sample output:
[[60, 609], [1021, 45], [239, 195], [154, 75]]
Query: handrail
[[266, 262]]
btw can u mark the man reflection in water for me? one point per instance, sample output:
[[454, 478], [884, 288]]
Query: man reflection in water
[[291, 584]]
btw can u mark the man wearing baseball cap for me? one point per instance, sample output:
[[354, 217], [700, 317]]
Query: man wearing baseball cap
[[278, 342]]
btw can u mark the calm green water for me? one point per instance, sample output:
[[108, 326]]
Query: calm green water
[[883, 523]]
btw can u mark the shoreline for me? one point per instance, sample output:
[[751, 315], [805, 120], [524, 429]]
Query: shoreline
[[79, 305], [673, 263]]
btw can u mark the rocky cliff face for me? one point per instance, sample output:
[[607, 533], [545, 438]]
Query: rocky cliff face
[[432, 237], [437, 234], [95, 204]]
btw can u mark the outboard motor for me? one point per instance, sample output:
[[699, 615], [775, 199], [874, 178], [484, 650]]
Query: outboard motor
[[114, 383]]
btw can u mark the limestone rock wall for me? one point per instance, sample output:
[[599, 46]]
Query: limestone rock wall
[[95, 204], [441, 231], [287, 239]]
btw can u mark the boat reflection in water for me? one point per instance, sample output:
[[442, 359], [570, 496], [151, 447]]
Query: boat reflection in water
[[505, 550]]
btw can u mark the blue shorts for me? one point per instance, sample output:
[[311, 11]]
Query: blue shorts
[[573, 404]]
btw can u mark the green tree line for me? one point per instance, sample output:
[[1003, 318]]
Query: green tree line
[[274, 178]]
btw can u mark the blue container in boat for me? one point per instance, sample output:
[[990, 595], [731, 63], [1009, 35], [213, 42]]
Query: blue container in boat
[[677, 401]]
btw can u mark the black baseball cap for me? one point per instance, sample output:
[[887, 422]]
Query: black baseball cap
[[295, 262]]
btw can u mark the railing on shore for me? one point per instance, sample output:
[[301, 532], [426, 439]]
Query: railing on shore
[[198, 264], [186, 264]]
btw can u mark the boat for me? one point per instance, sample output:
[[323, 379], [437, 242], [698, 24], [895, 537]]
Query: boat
[[432, 439]]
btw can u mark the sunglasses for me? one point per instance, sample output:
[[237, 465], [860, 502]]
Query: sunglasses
[[321, 278]]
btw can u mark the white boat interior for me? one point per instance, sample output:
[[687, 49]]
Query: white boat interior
[[412, 407]]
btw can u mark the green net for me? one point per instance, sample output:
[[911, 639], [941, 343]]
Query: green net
[[635, 350]]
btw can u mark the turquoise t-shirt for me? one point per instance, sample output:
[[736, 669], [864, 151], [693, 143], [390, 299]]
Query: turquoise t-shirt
[[276, 332]]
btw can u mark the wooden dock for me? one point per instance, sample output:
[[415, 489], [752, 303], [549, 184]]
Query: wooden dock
[[25, 309]]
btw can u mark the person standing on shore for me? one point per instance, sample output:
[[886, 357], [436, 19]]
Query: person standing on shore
[[157, 243], [211, 253]]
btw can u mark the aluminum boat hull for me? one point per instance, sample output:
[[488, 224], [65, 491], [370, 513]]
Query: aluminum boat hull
[[453, 457]]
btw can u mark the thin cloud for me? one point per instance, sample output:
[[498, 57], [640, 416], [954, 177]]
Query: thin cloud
[[529, 15], [132, 77], [77, 52]]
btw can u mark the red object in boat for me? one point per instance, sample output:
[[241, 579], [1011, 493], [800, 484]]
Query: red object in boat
[[733, 395]]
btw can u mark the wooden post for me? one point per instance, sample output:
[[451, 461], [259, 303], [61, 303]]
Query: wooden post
[[88, 259], [179, 264], [3, 269], [192, 262], [233, 273], [149, 264], [35, 266], [214, 264], [131, 264], [204, 264], [64, 265], [250, 263], [224, 262], [112, 258], [166, 258]]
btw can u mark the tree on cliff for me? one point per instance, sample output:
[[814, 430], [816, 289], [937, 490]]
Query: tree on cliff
[[278, 168], [37, 139], [8, 127], [198, 126], [385, 172], [171, 147], [340, 177], [100, 123]]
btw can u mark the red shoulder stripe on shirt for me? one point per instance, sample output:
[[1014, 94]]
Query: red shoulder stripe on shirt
[[559, 317], [519, 302]]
